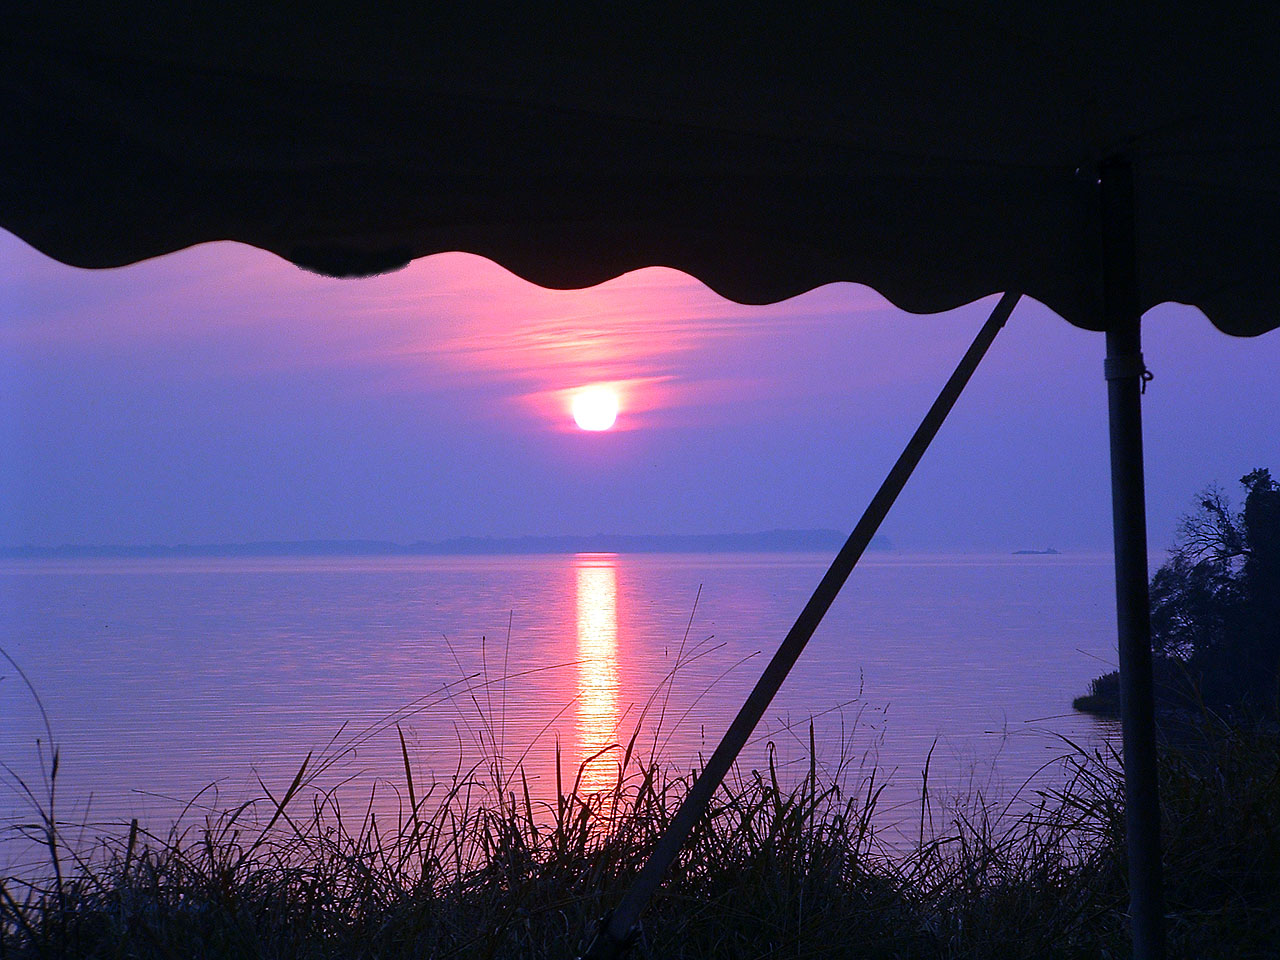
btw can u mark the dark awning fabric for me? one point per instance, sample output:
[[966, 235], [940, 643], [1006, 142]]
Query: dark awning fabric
[[934, 152]]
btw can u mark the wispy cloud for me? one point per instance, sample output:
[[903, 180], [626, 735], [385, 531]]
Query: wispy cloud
[[452, 324], [658, 336]]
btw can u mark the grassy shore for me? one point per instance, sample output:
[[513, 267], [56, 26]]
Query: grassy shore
[[1174, 689], [468, 871]]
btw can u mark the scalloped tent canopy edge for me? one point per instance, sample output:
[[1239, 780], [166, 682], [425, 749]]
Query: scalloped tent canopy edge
[[935, 155]]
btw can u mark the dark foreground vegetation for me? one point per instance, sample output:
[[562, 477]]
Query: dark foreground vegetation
[[473, 867], [774, 871], [1215, 611]]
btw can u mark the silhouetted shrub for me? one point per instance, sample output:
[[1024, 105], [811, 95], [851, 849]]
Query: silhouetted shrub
[[1215, 608]]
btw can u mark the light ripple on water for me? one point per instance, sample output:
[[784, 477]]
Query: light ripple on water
[[161, 677]]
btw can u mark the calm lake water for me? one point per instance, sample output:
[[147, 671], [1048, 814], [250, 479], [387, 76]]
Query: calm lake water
[[161, 677]]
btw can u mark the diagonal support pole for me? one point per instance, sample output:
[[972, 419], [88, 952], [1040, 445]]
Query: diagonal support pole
[[619, 927], [1126, 373]]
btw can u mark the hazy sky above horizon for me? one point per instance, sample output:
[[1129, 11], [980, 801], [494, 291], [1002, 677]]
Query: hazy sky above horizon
[[219, 394]]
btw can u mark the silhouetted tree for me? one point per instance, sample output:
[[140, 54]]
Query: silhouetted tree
[[1215, 605]]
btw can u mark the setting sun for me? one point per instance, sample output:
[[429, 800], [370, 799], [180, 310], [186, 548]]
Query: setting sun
[[595, 408]]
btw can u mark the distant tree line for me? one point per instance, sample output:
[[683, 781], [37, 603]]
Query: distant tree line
[[1215, 608]]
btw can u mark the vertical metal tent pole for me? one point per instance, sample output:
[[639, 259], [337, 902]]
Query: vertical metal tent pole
[[1125, 372]]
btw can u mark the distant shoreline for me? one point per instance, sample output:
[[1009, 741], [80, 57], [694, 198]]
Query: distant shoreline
[[768, 541]]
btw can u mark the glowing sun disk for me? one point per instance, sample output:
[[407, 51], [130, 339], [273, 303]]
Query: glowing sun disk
[[595, 408]]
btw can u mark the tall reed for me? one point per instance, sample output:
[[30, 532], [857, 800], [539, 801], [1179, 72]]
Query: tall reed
[[471, 864]]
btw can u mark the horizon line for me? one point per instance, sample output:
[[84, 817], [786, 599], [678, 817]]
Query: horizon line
[[765, 541]]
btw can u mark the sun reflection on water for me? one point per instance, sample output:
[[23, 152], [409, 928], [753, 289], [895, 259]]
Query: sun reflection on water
[[597, 609]]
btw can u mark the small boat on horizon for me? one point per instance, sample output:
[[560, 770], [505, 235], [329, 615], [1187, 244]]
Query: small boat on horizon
[[1049, 552]]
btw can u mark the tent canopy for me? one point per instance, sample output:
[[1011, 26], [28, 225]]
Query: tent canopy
[[935, 153]]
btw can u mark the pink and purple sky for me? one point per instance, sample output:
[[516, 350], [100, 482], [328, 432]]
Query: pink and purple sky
[[219, 394]]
